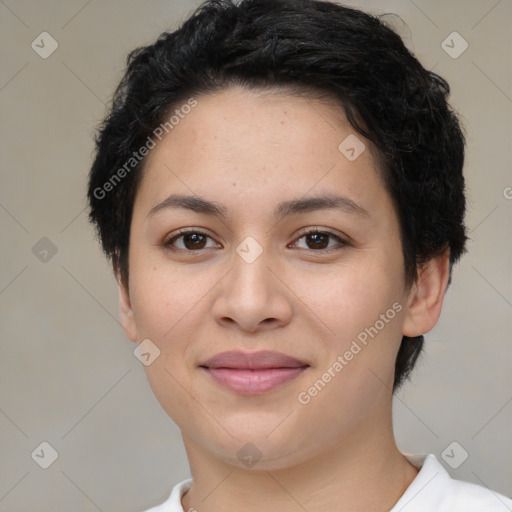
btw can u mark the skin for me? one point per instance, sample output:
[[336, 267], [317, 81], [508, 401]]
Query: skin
[[249, 151]]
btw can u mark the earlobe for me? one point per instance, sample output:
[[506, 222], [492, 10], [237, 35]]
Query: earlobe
[[125, 310], [426, 296]]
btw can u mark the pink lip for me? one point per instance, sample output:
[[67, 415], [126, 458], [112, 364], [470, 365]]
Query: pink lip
[[253, 373]]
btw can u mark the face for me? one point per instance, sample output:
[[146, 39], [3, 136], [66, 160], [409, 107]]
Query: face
[[275, 239]]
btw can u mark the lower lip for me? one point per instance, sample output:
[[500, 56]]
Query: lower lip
[[253, 382]]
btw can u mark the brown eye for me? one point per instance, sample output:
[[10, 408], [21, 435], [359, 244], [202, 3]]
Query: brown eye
[[316, 240], [188, 241], [194, 241]]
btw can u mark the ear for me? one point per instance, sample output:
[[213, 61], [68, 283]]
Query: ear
[[125, 309], [426, 296]]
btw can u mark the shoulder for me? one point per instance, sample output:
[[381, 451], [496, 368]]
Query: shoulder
[[173, 502], [434, 489]]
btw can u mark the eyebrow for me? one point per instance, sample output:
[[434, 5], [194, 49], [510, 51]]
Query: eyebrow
[[283, 209]]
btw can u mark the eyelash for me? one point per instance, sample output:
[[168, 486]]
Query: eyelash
[[315, 231]]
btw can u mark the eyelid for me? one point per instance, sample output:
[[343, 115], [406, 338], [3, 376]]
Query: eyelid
[[319, 229], [343, 241], [169, 240]]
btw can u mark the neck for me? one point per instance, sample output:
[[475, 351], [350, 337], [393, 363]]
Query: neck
[[364, 472]]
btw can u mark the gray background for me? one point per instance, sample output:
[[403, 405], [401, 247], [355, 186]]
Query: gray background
[[69, 377]]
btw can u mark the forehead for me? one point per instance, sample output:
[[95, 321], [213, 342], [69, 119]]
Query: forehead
[[238, 120], [261, 144]]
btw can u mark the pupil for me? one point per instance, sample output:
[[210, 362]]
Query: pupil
[[195, 239], [315, 240], [319, 241]]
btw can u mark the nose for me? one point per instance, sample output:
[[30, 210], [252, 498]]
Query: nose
[[252, 298]]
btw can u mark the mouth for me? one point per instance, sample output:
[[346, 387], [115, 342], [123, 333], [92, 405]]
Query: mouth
[[253, 373]]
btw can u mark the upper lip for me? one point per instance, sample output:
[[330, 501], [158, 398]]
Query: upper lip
[[253, 360]]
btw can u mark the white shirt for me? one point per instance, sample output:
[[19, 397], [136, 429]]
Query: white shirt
[[433, 490]]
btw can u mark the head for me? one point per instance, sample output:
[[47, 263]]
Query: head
[[246, 107]]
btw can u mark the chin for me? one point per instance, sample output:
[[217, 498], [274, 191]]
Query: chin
[[254, 450]]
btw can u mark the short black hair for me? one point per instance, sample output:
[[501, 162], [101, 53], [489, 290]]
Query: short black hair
[[323, 50]]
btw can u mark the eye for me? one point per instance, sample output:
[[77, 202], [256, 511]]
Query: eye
[[189, 240], [318, 240], [195, 240]]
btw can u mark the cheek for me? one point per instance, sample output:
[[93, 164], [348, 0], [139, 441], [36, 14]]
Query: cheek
[[162, 296], [349, 297], [362, 306], [166, 304]]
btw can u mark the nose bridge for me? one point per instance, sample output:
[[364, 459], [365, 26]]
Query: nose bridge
[[251, 280], [252, 295]]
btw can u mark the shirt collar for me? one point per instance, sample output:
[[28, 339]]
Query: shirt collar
[[425, 490]]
